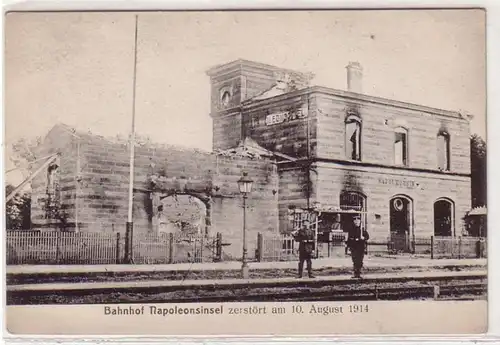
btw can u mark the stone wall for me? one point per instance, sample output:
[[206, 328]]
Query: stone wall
[[242, 80], [288, 131], [380, 185], [226, 131], [292, 192], [61, 211], [103, 188], [377, 133]]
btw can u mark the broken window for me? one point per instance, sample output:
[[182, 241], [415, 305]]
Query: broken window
[[353, 139], [51, 178], [401, 146], [443, 151]]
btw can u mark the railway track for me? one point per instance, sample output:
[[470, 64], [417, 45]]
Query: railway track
[[365, 294], [322, 289]]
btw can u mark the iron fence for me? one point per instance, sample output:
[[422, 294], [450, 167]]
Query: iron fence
[[458, 247], [283, 247], [276, 247], [60, 248], [55, 247], [169, 248]]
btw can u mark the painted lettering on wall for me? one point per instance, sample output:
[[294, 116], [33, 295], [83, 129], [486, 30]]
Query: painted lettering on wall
[[397, 182], [277, 118]]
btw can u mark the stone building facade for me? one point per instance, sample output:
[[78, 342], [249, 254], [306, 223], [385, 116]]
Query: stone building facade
[[405, 166], [90, 180]]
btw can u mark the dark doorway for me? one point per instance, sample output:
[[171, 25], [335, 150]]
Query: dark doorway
[[443, 218], [400, 213]]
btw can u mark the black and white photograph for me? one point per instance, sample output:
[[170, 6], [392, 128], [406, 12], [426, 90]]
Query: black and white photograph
[[220, 167]]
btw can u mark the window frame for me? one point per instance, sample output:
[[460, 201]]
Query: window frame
[[348, 194], [348, 120], [447, 138], [452, 205], [406, 150]]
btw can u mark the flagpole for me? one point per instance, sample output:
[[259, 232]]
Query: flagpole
[[130, 224]]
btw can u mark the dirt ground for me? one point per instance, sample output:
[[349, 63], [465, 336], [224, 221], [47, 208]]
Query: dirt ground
[[15, 279], [248, 293]]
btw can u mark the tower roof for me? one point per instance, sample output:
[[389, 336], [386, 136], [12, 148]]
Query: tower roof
[[241, 64]]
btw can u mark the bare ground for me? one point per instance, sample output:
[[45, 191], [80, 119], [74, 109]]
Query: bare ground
[[15, 279], [254, 294]]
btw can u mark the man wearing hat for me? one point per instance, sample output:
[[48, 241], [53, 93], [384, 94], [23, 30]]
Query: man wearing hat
[[305, 237], [356, 241]]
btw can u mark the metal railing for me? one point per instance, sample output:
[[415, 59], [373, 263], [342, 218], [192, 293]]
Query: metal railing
[[283, 247], [167, 248], [58, 248], [55, 247]]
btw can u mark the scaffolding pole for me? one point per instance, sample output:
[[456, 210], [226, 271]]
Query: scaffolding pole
[[31, 177]]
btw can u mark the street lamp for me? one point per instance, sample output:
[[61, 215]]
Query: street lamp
[[245, 186]]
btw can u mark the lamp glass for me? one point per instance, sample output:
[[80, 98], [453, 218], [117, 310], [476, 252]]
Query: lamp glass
[[245, 185]]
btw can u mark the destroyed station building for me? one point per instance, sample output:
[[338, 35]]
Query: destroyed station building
[[406, 166]]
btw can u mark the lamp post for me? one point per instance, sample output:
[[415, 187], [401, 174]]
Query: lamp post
[[245, 186]]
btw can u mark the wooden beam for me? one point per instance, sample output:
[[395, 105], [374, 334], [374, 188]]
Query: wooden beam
[[31, 177]]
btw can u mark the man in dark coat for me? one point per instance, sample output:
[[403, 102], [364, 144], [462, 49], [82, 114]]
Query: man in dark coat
[[356, 241], [305, 237]]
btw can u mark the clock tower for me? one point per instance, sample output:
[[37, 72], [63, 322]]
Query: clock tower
[[234, 83]]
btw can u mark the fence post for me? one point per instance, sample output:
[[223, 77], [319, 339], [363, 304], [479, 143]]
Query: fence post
[[218, 251], [459, 247], [432, 247], [127, 245], [118, 261], [413, 244], [201, 248], [58, 254], [260, 246], [330, 240], [170, 248]]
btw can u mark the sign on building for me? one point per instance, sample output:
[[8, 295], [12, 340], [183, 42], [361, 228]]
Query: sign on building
[[277, 118]]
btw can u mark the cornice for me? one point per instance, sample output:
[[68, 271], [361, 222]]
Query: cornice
[[347, 163], [361, 99], [226, 112], [352, 97]]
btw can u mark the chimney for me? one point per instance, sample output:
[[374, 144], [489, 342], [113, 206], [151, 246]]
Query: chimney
[[354, 77]]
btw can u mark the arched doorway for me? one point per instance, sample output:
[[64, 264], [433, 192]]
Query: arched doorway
[[401, 222], [181, 213], [444, 212], [401, 214]]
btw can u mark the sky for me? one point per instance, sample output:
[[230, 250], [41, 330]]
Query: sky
[[77, 68]]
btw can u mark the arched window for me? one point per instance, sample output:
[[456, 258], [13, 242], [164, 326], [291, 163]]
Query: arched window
[[400, 146], [443, 151], [352, 201], [353, 138]]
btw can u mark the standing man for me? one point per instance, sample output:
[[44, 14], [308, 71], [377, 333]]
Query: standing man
[[305, 237], [356, 242]]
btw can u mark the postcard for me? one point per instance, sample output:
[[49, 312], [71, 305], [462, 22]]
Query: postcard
[[282, 173]]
